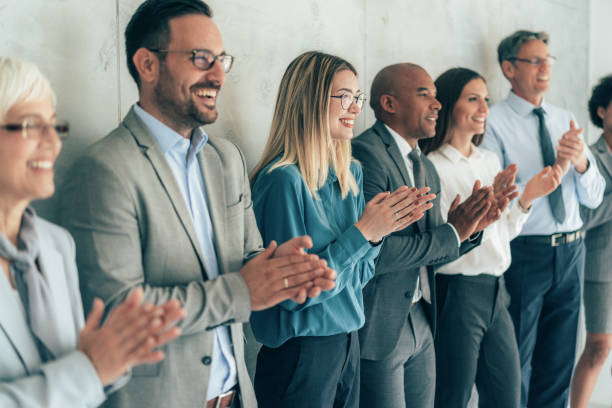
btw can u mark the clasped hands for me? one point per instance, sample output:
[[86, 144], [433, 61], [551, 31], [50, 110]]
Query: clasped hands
[[129, 336], [485, 205]]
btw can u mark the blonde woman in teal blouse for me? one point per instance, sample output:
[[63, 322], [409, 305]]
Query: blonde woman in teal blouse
[[308, 183]]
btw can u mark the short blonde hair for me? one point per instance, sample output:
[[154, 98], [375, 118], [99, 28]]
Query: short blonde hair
[[300, 131], [21, 82]]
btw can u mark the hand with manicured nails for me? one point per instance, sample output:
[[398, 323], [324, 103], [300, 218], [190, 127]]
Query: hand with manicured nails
[[504, 187], [129, 335], [389, 212], [542, 184], [272, 278], [297, 246], [570, 150], [466, 216]]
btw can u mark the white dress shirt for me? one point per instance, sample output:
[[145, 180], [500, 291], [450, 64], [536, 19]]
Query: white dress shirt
[[405, 149], [457, 176]]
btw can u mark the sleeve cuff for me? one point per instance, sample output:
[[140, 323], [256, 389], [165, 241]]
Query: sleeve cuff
[[456, 234]]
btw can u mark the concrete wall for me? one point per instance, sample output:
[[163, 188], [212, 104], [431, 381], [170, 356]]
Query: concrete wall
[[79, 45]]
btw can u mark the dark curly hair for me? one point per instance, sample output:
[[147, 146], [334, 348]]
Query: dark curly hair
[[601, 96]]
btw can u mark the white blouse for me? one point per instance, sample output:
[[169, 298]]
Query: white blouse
[[457, 176]]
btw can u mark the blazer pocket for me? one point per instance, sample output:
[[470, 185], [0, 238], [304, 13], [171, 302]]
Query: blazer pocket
[[235, 203]]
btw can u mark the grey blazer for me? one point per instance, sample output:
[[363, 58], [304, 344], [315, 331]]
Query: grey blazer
[[429, 242], [68, 381], [598, 222], [132, 228]]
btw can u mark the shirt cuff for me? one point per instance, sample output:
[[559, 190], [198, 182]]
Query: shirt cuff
[[589, 175], [456, 234]]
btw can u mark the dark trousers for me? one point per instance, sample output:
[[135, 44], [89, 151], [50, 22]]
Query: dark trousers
[[309, 372], [475, 343], [545, 286]]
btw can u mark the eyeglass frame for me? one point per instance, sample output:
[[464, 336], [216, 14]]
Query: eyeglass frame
[[354, 99], [550, 60], [62, 129], [194, 53]]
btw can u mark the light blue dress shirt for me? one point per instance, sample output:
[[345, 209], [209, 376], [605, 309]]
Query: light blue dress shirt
[[284, 209], [180, 153], [513, 134]]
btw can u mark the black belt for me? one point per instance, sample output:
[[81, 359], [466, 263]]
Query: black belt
[[553, 240]]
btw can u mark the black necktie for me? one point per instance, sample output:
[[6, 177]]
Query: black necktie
[[555, 199]]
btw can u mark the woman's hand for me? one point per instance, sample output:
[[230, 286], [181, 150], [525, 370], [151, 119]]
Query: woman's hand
[[542, 184], [390, 212], [129, 335]]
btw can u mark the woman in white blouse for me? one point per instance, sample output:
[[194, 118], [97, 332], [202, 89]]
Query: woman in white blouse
[[475, 341]]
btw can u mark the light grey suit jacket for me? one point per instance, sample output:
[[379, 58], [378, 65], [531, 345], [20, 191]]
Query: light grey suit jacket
[[68, 381], [132, 228], [598, 222], [429, 242]]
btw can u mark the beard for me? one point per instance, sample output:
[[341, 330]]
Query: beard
[[183, 114]]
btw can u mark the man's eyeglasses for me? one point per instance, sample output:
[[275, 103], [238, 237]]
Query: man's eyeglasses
[[37, 130], [203, 59], [346, 99], [550, 60]]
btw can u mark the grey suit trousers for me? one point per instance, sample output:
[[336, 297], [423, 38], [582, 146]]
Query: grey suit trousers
[[407, 377]]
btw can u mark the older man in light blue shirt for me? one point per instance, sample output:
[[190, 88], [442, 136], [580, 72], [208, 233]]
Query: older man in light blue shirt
[[545, 277]]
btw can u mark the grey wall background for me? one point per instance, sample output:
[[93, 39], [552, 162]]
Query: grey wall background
[[78, 44]]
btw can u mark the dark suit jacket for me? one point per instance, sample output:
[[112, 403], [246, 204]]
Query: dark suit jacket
[[598, 221], [430, 242]]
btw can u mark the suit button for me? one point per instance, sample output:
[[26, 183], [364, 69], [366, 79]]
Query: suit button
[[408, 295], [206, 360]]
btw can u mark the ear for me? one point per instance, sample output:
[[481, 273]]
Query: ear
[[508, 69], [147, 65], [601, 112], [388, 103]]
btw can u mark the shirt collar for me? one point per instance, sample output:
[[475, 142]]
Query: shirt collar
[[523, 107], [403, 146], [454, 155], [168, 139]]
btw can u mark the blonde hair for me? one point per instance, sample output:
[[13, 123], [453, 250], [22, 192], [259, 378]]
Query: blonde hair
[[300, 130], [21, 82]]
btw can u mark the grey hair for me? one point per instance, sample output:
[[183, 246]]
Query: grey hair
[[21, 82], [510, 46]]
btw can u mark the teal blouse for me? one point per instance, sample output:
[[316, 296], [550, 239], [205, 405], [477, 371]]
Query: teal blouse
[[284, 209]]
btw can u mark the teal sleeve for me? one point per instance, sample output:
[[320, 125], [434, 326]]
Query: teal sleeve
[[280, 199]]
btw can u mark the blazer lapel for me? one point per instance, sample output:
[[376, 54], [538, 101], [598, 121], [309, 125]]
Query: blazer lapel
[[51, 266], [393, 151], [152, 151], [16, 328], [212, 173], [604, 154]]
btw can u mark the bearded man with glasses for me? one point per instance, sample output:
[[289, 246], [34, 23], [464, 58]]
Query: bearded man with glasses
[[545, 277], [160, 204]]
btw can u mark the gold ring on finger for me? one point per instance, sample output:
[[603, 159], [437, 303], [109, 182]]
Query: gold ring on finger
[[286, 282]]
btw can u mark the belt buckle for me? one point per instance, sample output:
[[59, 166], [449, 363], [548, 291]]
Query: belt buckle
[[553, 239], [221, 397]]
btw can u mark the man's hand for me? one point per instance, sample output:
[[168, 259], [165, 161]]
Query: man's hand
[[466, 216], [129, 335], [271, 280], [570, 150], [542, 184]]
